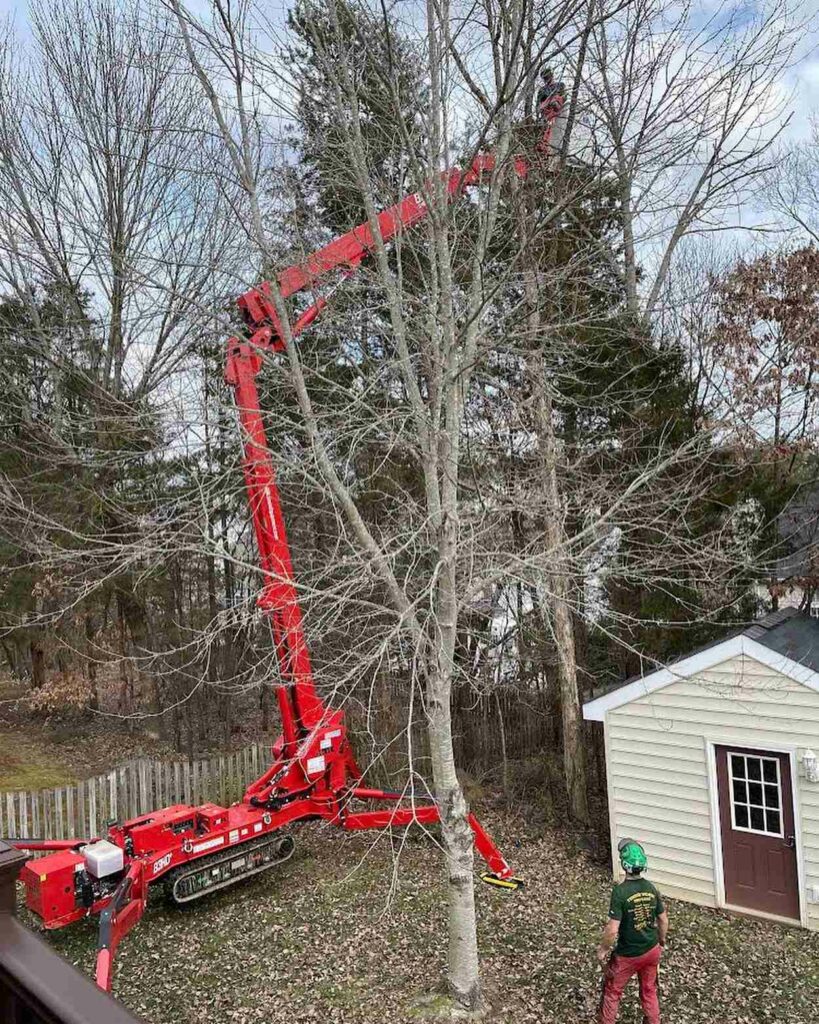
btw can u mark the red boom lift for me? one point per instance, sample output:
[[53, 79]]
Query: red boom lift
[[193, 851]]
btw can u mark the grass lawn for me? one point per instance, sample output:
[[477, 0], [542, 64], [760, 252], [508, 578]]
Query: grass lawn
[[39, 754], [337, 934], [26, 763], [44, 758]]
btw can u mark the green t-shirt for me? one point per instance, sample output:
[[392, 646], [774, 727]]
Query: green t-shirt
[[636, 904]]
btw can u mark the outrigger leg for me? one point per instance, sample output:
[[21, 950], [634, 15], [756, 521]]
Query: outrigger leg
[[500, 874]]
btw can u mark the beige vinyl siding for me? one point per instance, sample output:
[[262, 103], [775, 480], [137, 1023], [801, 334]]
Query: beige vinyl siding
[[659, 773]]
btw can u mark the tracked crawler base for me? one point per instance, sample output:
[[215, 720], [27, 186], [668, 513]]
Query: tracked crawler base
[[192, 882]]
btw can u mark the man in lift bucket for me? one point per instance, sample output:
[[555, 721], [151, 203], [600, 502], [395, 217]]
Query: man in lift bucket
[[638, 924], [551, 94]]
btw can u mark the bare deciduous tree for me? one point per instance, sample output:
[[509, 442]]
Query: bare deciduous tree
[[684, 109], [433, 352]]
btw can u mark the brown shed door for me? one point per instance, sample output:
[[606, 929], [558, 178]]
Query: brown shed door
[[758, 839]]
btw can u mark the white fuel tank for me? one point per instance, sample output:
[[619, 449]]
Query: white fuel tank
[[103, 859]]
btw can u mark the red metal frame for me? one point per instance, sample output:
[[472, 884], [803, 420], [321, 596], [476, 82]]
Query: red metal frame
[[314, 773], [348, 251]]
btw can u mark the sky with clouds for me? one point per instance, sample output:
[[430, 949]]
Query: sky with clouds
[[805, 85], [802, 82]]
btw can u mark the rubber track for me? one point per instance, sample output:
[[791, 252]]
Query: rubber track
[[204, 863]]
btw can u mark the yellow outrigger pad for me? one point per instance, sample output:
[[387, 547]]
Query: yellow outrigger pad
[[502, 883]]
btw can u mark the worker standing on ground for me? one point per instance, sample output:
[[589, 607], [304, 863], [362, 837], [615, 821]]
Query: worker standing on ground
[[638, 923]]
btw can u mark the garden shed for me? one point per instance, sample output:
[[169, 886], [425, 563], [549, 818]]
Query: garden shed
[[711, 764]]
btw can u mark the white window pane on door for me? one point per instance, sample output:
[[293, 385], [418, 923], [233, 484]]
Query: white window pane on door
[[755, 793], [772, 797]]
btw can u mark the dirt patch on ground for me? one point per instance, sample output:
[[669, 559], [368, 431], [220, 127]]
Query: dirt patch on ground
[[352, 929], [28, 764], [58, 754], [38, 751]]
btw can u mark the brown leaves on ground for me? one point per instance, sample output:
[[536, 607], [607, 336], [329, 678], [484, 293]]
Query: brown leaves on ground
[[342, 933]]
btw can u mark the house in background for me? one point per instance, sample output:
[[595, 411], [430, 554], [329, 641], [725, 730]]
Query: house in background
[[794, 582], [711, 765]]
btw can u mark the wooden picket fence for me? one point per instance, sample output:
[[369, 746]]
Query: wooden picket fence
[[487, 730], [136, 787]]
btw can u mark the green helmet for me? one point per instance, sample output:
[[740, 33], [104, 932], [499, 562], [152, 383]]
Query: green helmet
[[632, 856]]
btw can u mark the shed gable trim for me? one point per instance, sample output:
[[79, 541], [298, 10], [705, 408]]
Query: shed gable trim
[[595, 710]]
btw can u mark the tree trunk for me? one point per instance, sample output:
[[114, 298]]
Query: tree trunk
[[12, 653], [264, 707], [91, 662], [504, 755], [463, 974], [629, 245], [574, 754], [37, 664]]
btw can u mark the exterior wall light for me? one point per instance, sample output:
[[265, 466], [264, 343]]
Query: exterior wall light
[[810, 762]]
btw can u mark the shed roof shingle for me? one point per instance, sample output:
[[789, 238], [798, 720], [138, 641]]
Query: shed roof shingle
[[786, 641], [788, 632], [791, 633]]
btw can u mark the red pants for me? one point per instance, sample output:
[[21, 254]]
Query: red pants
[[618, 972]]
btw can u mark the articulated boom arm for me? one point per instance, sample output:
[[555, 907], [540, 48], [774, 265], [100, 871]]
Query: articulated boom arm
[[278, 597], [300, 705], [313, 756], [192, 851], [347, 252]]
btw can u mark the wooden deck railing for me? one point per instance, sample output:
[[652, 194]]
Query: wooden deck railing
[[37, 986]]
